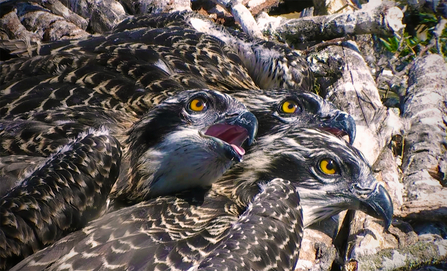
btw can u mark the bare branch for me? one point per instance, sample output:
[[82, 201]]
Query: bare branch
[[416, 255], [355, 92], [424, 150], [382, 20]]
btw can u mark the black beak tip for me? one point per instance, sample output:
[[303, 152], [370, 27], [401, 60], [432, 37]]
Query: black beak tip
[[380, 205], [351, 129], [248, 121], [346, 123], [231, 154], [342, 123], [387, 224]]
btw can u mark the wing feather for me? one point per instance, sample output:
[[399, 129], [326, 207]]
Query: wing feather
[[69, 189]]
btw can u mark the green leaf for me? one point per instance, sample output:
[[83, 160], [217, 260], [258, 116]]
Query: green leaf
[[427, 18], [391, 44], [413, 41]]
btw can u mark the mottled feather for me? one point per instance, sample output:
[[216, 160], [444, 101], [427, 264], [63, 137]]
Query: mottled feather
[[61, 196], [248, 220], [170, 135]]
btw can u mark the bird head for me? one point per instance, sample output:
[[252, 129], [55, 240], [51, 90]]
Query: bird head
[[330, 174], [280, 110], [188, 140]]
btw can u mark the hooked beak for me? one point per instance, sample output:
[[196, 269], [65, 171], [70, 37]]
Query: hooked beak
[[247, 121], [341, 124], [235, 131], [376, 203]]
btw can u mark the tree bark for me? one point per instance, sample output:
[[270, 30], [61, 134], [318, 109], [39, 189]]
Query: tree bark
[[424, 106], [408, 258], [354, 91], [426, 199], [382, 20]]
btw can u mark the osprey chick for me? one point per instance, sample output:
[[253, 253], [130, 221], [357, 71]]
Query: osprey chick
[[197, 133], [248, 220], [189, 140], [279, 110]]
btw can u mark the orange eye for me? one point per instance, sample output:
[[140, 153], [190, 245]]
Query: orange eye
[[328, 166], [197, 105], [289, 107]]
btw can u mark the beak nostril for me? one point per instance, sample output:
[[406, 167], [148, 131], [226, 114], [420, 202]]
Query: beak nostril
[[326, 117], [362, 191], [231, 115]]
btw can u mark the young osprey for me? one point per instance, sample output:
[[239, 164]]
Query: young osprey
[[112, 80], [199, 133], [145, 60], [278, 110], [252, 219]]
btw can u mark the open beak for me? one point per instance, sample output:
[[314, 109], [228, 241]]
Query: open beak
[[376, 202], [234, 131], [341, 124]]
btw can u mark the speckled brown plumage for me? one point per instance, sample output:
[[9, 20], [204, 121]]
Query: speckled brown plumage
[[248, 220], [133, 70], [60, 196], [113, 81], [143, 61], [170, 135]]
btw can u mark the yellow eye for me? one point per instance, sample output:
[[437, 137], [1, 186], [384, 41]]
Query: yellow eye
[[197, 105], [289, 107], [328, 166]]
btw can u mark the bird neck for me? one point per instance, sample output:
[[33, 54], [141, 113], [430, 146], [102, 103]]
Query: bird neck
[[241, 183], [240, 192]]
